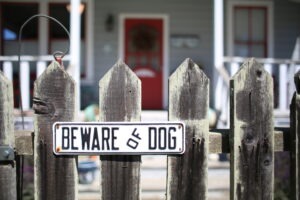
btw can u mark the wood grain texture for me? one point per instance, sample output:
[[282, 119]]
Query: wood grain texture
[[54, 100], [219, 140], [120, 100], [24, 142], [252, 145], [294, 140], [7, 170], [188, 102]]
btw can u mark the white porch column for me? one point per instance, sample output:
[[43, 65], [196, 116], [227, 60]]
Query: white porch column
[[234, 67], [8, 70], [44, 28], [25, 84], [218, 32], [75, 46], [218, 39], [40, 68], [283, 87]]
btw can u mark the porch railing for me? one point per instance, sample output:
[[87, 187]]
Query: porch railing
[[40, 63], [282, 70]]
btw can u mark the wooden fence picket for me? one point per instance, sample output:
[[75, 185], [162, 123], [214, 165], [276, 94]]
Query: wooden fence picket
[[54, 100], [252, 146], [7, 169], [294, 140], [120, 100], [188, 102]]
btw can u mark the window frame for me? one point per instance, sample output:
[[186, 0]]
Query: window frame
[[269, 24]]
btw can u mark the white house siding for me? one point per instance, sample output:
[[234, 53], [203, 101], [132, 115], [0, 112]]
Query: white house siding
[[286, 27], [189, 17]]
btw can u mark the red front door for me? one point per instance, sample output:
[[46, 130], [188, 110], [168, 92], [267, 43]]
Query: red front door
[[144, 54]]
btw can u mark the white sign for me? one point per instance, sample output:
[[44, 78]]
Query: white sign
[[118, 138]]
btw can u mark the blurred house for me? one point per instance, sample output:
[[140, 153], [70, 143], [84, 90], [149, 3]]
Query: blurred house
[[153, 38]]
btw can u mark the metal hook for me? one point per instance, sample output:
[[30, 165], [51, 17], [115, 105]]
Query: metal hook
[[58, 55], [55, 54]]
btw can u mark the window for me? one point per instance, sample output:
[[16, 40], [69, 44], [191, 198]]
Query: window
[[12, 22], [250, 28], [250, 31]]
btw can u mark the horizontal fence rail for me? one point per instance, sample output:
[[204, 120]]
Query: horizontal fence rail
[[251, 139]]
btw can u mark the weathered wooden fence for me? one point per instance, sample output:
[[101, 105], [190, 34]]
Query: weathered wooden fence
[[251, 139]]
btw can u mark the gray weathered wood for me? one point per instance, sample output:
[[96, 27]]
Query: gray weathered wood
[[219, 140], [294, 140], [120, 100], [54, 100], [24, 142], [188, 102], [7, 170], [252, 145]]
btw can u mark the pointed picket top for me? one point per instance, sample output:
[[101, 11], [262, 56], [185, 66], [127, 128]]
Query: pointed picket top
[[55, 84], [252, 80], [55, 67], [120, 88], [252, 141], [251, 69], [188, 65], [187, 77]]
